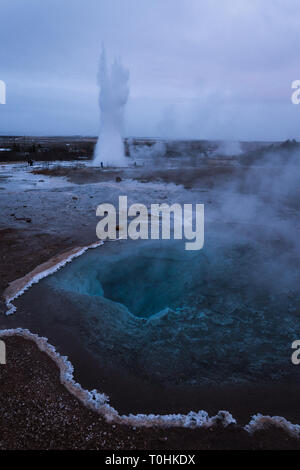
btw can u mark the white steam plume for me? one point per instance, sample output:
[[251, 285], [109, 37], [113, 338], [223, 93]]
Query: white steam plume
[[114, 91]]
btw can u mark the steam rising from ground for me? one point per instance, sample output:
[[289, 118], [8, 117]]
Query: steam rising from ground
[[155, 150], [265, 196], [114, 91], [229, 148]]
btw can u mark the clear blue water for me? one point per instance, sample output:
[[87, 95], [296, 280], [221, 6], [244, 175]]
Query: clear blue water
[[172, 316]]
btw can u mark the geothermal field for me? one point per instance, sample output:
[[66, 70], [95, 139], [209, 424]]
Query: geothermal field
[[149, 228], [156, 328]]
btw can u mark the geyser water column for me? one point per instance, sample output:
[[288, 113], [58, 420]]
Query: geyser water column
[[114, 91]]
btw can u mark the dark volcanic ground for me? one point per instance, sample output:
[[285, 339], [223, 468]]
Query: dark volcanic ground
[[37, 412]]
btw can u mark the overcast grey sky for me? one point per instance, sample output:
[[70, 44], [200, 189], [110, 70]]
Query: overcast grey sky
[[198, 68]]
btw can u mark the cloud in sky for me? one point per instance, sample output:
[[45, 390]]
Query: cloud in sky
[[198, 68]]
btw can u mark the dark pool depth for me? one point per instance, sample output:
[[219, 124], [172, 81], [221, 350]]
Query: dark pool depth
[[166, 317]]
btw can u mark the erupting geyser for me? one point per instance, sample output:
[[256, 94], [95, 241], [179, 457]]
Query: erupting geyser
[[114, 91]]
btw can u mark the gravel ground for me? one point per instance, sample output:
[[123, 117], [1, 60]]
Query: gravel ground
[[37, 412]]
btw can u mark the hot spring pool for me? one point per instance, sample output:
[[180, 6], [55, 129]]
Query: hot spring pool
[[174, 317]]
